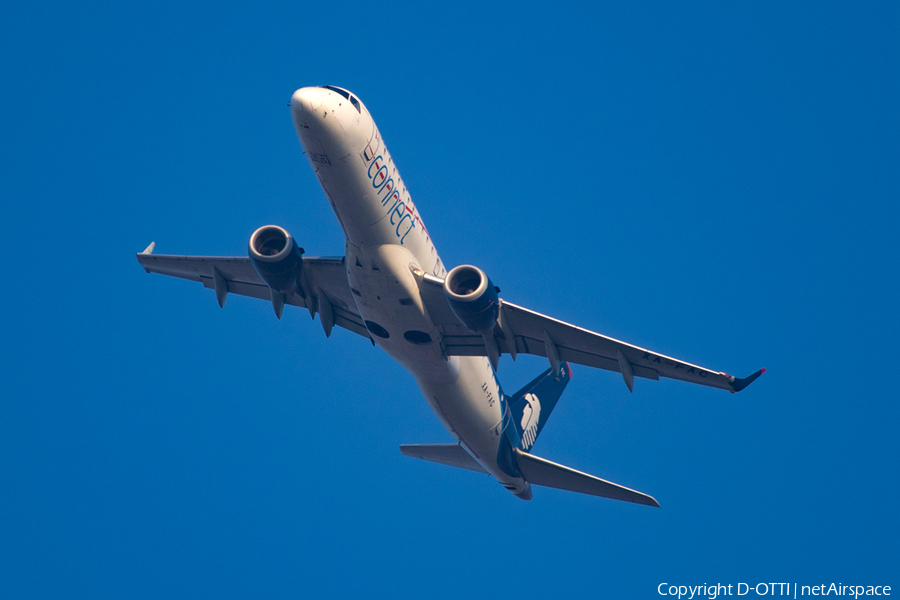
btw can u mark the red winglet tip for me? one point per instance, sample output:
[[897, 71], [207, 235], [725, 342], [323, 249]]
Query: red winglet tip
[[763, 370]]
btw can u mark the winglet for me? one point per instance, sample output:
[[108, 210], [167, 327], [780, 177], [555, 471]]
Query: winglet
[[149, 249], [739, 384]]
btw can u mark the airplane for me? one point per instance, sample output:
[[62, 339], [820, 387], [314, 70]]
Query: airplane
[[447, 328]]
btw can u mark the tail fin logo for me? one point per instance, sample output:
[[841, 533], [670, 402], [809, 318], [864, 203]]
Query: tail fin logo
[[531, 414]]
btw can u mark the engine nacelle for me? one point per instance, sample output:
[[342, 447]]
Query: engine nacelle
[[277, 258], [473, 298]]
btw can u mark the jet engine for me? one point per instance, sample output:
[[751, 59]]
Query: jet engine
[[473, 298], [277, 258]]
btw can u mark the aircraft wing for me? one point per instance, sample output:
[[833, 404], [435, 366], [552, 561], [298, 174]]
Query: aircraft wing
[[524, 331], [325, 281]]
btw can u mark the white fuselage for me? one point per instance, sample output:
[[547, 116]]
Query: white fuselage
[[385, 241]]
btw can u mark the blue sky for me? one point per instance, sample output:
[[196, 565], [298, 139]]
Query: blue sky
[[715, 181]]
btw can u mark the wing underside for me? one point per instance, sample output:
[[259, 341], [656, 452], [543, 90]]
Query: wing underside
[[325, 278], [524, 331]]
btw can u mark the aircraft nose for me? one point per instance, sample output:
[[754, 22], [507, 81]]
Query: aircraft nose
[[323, 113], [306, 100]]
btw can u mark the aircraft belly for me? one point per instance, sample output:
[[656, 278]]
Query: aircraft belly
[[351, 199], [462, 390], [389, 299], [365, 189], [385, 239], [469, 408]]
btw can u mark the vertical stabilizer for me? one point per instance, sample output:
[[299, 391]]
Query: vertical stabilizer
[[526, 412]]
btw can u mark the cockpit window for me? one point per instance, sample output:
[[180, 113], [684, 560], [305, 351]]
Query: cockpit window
[[355, 103], [343, 93]]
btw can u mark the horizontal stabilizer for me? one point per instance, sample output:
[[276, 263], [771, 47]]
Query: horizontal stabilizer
[[540, 471], [453, 455]]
